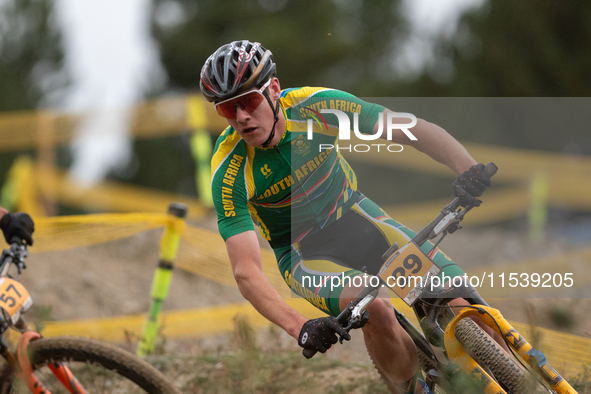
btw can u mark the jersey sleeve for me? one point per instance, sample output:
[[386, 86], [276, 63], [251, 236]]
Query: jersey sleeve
[[228, 187]]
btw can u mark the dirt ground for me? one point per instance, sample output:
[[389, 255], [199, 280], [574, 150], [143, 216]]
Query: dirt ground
[[114, 279]]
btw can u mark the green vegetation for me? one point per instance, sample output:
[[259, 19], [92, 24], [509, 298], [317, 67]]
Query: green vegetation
[[562, 317], [31, 54], [582, 382]]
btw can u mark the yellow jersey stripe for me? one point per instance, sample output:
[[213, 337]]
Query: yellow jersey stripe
[[302, 95], [224, 150], [248, 172]]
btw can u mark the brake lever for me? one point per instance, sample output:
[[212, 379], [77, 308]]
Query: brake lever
[[20, 265], [355, 323], [455, 224]]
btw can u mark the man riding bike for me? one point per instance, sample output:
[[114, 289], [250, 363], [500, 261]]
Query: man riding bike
[[305, 201]]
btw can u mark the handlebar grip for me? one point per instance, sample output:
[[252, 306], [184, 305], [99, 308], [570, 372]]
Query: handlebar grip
[[490, 169], [309, 353], [16, 240]]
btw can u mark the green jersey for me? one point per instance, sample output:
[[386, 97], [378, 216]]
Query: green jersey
[[300, 185]]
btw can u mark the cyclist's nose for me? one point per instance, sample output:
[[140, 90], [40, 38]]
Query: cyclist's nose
[[241, 114]]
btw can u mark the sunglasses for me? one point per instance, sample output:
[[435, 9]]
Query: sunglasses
[[248, 101]]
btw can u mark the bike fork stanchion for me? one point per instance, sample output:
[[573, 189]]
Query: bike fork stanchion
[[169, 244]]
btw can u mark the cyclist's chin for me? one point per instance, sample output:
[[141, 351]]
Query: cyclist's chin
[[256, 137]]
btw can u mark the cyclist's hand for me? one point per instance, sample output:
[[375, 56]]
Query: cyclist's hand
[[320, 334], [19, 225], [470, 184]]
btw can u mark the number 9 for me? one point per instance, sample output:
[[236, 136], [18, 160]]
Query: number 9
[[411, 261]]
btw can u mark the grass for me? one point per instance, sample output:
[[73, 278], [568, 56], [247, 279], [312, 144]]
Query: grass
[[582, 382], [245, 366]]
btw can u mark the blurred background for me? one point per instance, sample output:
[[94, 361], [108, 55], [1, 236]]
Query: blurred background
[[100, 112]]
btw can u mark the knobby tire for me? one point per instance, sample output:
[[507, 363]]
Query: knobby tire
[[488, 353], [100, 367]]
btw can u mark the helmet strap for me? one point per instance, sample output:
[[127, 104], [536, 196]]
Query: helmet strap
[[276, 117]]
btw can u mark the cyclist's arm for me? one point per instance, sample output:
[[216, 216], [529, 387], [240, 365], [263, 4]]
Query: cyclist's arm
[[3, 212], [435, 142], [245, 257]]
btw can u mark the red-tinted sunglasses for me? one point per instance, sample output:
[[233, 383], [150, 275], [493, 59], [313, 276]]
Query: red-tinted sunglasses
[[248, 101]]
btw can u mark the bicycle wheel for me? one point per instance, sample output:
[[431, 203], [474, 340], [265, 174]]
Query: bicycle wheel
[[488, 353], [98, 366]]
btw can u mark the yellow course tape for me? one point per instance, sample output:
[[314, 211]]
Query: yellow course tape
[[117, 197], [65, 232], [175, 324]]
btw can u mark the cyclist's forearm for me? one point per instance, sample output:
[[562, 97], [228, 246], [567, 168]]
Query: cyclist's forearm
[[245, 257], [267, 301]]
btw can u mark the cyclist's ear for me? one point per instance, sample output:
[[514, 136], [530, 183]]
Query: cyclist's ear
[[275, 89]]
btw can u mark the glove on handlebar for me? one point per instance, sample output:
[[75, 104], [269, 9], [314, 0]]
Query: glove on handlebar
[[470, 184], [320, 334], [19, 225]]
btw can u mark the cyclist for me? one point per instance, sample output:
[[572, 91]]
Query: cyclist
[[305, 201], [18, 225]]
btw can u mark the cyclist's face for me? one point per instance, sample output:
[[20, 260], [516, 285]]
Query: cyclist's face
[[254, 127]]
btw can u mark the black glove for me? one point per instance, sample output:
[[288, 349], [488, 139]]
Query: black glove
[[320, 334], [470, 184], [19, 225]]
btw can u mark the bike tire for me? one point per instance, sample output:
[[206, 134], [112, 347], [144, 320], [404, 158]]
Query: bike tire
[[100, 367], [488, 353]]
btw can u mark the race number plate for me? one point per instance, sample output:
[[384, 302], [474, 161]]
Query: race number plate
[[14, 299], [408, 272]]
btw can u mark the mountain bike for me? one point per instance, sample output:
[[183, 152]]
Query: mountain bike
[[452, 348], [62, 364]]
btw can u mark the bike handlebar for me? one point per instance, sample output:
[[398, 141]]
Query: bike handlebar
[[490, 169], [309, 353], [424, 235], [15, 254]]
